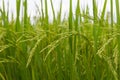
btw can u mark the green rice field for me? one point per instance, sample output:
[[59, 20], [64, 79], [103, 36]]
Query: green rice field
[[79, 47]]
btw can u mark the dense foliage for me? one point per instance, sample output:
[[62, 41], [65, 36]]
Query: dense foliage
[[82, 47]]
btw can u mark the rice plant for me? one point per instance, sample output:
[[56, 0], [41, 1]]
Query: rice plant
[[79, 47]]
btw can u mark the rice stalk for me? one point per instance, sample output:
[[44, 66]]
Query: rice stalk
[[33, 50]]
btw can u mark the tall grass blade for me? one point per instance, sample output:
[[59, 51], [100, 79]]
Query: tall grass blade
[[118, 37], [18, 2], [53, 11], [59, 13], [103, 11], [25, 15], [70, 25], [77, 25], [111, 7], [95, 23], [42, 22]]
